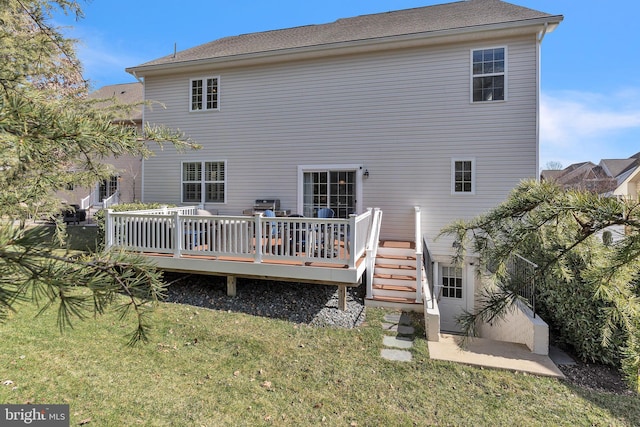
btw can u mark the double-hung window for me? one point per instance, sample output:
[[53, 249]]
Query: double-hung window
[[463, 176], [205, 94], [488, 74], [203, 182]]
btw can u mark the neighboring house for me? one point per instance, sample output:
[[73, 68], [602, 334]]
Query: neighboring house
[[611, 177], [619, 177], [434, 107], [125, 185]]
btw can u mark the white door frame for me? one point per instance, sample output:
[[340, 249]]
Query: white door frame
[[357, 168], [448, 307]]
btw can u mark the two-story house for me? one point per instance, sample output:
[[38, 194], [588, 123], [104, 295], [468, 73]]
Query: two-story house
[[125, 184], [435, 107]]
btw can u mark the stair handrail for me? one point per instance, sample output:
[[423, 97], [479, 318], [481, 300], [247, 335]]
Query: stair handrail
[[372, 249], [418, 244]]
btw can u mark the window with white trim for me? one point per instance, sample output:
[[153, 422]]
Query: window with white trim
[[488, 74], [463, 176], [203, 182], [204, 94], [451, 282]]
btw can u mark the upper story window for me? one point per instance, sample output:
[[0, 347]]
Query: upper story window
[[463, 176], [203, 182], [204, 94], [488, 74]]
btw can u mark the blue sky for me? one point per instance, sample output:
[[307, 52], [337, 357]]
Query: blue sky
[[590, 105]]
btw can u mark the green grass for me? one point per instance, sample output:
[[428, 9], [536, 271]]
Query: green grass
[[211, 368], [79, 237]]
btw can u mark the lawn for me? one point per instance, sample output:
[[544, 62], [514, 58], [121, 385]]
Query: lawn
[[212, 368], [79, 237]]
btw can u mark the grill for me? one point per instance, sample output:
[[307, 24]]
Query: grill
[[261, 205]]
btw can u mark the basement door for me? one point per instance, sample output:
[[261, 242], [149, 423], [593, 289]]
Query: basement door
[[452, 297]]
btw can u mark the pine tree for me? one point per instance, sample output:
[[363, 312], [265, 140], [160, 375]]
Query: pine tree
[[587, 284], [52, 136]]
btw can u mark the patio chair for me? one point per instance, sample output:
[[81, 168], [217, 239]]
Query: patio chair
[[326, 213], [325, 247], [273, 225]]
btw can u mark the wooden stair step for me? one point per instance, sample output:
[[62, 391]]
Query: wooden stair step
[[395, 300], [394, 277], [396, 257], [396, 244], [394, 288], [396, 266]]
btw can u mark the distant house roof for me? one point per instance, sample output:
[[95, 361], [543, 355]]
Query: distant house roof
[[461, 15], [603, 178], [124, 93], [617, 166]]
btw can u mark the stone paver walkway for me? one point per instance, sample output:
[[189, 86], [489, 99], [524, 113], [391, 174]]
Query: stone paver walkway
[[398, 339]]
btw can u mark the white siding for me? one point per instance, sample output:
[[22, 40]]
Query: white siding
[[402, 115]]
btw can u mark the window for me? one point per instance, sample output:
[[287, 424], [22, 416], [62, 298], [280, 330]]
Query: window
[[452, 282], [203, 182], [463, 176], [204, 94], [488, 69]]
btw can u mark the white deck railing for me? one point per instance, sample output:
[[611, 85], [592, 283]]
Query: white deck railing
[[419, 253], [113, 199], [179, 231], [372, 249]]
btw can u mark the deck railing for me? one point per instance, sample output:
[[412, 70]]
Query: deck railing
[[372, 248], [113, 199], [418, 246], [179, 231]]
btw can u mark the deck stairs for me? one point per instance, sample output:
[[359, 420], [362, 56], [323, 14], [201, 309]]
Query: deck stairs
[[394, 277]]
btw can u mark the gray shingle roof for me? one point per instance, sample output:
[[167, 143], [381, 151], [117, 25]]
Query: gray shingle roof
[[450, 16]]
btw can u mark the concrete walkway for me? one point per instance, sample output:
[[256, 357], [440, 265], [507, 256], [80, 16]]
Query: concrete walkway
[[492, 354]]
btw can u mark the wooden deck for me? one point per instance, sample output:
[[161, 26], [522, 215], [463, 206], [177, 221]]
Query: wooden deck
[[311, 250]]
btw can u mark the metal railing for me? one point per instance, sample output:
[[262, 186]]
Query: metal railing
[[521, 275], [429, 267]]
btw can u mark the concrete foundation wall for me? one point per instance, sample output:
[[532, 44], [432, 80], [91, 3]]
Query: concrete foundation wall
[[520, 326]]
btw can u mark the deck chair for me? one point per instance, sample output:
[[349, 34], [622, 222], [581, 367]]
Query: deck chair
[[273, 225], [326, 213], [325, 230]]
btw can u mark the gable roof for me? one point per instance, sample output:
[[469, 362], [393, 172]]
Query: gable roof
[[617, 166], [602, 178], [423, 21], [124, 93]]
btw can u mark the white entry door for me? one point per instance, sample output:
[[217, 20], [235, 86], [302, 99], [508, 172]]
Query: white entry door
[[452, 297]]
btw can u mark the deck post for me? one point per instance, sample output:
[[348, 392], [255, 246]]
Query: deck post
[[178, 234], [258, 239], [342, 297], [109, 228], [231, 286], [418, 243]]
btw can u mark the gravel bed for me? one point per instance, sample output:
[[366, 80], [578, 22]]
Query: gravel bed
[[311, 304]]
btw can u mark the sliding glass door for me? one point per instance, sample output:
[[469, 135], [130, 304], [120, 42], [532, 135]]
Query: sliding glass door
[[335, 189]]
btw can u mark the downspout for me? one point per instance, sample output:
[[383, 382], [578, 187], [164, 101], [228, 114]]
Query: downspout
[[539, 39]]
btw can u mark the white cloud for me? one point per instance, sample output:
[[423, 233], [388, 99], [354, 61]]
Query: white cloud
[[581, 126]]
